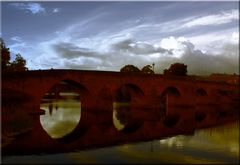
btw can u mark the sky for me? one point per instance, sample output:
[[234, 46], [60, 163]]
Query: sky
[[109, 35]]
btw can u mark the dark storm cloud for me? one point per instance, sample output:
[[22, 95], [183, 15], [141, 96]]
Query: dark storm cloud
[[130, 46], [70, 50], [201, 63]]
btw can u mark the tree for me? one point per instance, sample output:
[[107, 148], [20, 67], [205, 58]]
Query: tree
[[19, 63], [177, 69], [129, 68], [147, 69], [5, 56]]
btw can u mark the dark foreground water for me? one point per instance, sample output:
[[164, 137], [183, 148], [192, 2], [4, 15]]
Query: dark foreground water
[[212, 145]]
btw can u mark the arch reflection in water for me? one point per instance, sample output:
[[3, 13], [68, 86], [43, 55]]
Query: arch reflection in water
[[122, 107], [121, 114], [62, 110]]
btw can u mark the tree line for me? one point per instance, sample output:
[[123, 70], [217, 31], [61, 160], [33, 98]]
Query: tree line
[[177, 69], [19, 64]]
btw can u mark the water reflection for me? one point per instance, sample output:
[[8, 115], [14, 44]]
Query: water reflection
[[121, 114], [219, 145], [178, 141], [62, 108], [63, 115], [221, 139]]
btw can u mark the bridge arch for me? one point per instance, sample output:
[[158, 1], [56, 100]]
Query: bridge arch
[[222, 92], [168, 91], [200, 116], [169, 95], [127, 92], [201, 92], [126, 97], [63, 104], [171, 90]]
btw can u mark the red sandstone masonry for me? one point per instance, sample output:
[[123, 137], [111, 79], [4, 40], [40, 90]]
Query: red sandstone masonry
[[98, 90]]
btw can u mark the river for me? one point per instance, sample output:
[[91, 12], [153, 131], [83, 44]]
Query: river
[[211, 145]]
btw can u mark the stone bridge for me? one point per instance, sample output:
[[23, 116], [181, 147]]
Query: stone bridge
[[160, 106]]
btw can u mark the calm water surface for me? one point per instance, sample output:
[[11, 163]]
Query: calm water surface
[[212, 145]]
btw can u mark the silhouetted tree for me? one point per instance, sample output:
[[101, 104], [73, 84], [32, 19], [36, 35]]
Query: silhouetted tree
[[147, 69], [19, 64], [5, 56], [177, 69], [129, 68]]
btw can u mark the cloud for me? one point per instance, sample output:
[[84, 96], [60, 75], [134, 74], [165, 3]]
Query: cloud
[[203, 63], [235, 37], [120, 51], [212, 42], [34, 8], [137, 47], [200, 63], [87, 63], [217, 19], [56, 10], [16, 38], [112, 52], [69, 50], [179, 27], [84, 45]]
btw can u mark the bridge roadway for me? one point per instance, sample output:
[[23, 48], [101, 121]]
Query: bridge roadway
[[160, 106]]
